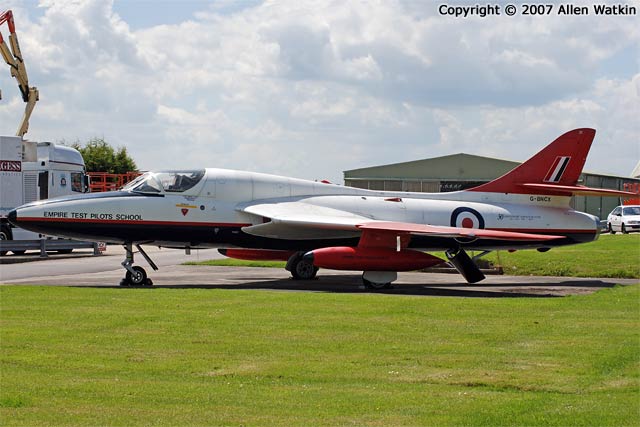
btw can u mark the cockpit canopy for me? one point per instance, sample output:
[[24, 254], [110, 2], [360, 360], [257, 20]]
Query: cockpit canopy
[[165, 181]]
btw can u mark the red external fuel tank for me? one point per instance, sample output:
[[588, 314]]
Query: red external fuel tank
[[372, 259]]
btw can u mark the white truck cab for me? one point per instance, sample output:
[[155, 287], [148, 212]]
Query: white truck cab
[[60, 170]]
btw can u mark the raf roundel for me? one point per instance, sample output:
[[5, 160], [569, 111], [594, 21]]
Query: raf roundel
[[466, 218]]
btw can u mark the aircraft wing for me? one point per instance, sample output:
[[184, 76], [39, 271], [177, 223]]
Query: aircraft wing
[[299, 220], [453, 232]]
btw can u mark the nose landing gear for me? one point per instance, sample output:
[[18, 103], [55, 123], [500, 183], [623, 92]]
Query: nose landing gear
[[136, 275]]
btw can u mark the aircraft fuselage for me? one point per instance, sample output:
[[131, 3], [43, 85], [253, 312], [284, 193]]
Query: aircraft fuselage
[[210, 214]]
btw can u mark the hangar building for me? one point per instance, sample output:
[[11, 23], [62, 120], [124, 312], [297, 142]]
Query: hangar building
[[461, 171]]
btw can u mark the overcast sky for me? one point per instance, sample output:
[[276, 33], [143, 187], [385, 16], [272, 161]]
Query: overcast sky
[[312, 88]]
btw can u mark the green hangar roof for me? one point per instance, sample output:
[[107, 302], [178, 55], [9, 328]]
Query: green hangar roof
[[455, 166]]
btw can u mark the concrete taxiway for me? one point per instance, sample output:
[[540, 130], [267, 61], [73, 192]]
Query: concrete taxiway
[[105, 271]]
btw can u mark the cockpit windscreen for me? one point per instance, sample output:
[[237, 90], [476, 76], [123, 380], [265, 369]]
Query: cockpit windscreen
[[170, 182]]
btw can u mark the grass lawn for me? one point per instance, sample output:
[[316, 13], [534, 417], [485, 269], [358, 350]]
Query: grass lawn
[[610, 256], [86, 356], [231, 262]]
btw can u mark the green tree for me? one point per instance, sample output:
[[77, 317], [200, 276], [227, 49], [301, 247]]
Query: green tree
[[99, 156]]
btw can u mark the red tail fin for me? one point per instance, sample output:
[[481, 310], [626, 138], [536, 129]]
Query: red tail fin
[[557, 165]]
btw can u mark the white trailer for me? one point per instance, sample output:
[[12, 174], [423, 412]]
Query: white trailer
[[31, 171]]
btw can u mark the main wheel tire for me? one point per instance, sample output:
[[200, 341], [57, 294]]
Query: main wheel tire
[[139, 278], [623, 229], [375, 286], [5, 234], [303, 270]]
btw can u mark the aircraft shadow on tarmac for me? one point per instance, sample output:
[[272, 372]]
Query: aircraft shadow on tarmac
[[351, 284]]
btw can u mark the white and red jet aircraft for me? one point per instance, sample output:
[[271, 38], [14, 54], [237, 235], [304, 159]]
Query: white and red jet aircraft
[[311, 224]]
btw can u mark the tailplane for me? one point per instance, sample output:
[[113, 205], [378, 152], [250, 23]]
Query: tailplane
[[554, 170]]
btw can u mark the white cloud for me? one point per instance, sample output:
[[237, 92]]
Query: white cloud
[[611, 106], [310, 89]]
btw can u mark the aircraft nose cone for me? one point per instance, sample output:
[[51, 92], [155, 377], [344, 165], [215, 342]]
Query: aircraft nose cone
[[13, 217]]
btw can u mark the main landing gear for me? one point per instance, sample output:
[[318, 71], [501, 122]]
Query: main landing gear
[[301, 268], [136, 275], [377, 280]]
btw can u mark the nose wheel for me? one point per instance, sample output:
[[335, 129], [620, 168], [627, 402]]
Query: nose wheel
[[135, 275], [137, 278]]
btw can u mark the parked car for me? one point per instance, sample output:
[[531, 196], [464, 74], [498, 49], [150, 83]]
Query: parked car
[[624, 219]]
